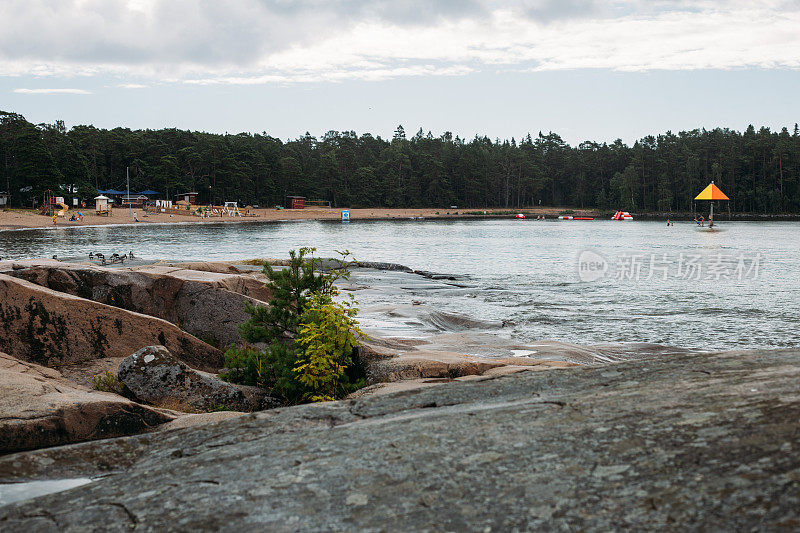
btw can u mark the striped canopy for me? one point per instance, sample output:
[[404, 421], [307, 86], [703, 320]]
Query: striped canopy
[[711, 192]]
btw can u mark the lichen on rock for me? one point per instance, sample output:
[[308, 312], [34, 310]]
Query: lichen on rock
[[154, 376]]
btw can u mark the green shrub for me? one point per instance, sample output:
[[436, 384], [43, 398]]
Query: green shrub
[[311, 337], [245, 365], [270, 369], [107, 382], [327, 339], [289, 289]]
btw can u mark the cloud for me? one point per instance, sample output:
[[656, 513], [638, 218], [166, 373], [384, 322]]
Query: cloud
[[282, 41], [131, 86], [51, 91], [335, 75], [209, 34], [549, 10]]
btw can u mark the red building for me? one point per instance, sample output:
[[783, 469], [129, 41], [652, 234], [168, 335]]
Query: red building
[[295, 202], [190, 197]]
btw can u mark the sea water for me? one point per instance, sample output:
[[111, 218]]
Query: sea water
[[585, 282]]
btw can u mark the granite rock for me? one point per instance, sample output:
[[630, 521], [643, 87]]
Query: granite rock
[[209, 305], [690, 442], [53, 328], [39, 408], [154, 376]]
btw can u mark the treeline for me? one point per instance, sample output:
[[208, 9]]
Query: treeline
[[758, 169]]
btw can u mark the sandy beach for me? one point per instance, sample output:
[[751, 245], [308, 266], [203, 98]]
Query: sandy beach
[[28, 218]]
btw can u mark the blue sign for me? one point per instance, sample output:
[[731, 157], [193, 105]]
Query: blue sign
[[345, 216]]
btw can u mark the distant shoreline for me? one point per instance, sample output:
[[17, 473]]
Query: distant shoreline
[[19, 219], [720, 216], [15, 219]]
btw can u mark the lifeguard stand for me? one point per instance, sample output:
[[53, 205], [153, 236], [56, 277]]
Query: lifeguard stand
[[102, 205], [232, 209]]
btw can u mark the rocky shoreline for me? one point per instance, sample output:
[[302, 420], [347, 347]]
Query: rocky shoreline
[[156, 329], [15, 219], [169, 445]]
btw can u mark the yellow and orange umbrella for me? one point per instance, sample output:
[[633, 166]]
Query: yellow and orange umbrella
[[712, 192]]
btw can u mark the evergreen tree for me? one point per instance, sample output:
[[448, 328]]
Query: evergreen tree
[[759, 169]]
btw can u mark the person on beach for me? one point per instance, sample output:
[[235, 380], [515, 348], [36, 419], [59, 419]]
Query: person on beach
[[135, 218], [55, 218], [702, 221]]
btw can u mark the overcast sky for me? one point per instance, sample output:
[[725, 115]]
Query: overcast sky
[[583, 68]]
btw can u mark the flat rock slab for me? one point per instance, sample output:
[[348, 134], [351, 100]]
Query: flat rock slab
[[220, 267], [39, 408], [48, 327], [385, 362], [222, 275], [10, 265], [706, 442]]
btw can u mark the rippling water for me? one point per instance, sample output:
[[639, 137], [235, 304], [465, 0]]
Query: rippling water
[[734, 288]]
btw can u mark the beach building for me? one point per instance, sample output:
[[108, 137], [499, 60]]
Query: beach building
[[113, 195], [119, 196], [295, 202], [102, 205], [188, 197], [137, 200]]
